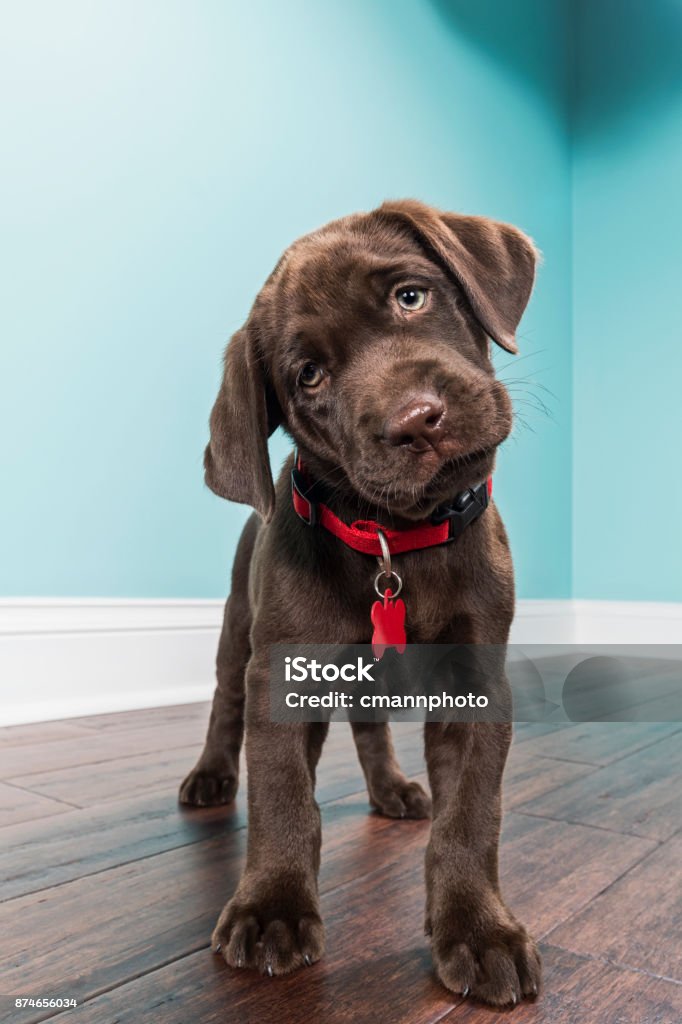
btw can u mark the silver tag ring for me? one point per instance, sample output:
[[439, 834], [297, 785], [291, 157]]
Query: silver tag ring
[[389, 576]]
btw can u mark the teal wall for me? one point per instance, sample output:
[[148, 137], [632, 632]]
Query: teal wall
[[627, 308], [155, 158]]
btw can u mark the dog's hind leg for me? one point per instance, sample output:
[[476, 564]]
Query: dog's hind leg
[[214, 779], [390, 793]]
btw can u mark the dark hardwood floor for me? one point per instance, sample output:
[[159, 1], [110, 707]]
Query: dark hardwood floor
[[110, 890]]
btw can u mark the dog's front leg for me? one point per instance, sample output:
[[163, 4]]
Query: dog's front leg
[[272, 923], [478, 945]]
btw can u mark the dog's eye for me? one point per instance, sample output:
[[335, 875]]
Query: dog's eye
[[311, 375], [411, 299]]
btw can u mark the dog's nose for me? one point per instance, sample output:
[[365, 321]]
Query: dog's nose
[[418, 425]]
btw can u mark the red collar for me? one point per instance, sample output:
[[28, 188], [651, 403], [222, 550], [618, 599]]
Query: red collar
[[445, 524]]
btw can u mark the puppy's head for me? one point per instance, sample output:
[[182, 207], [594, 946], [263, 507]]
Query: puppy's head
[[370, 343]]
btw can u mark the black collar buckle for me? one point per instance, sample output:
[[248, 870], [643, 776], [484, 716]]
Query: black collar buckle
[[463, 509], [302, 489]]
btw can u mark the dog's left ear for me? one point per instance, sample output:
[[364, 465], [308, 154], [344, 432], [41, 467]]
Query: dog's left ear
[[494, 263]]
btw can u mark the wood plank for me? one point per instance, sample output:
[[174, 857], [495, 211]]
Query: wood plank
[[375, 943], [123, 721], [578, 990], [36, 856], [82, 842], [162, 768], [527, 777], [118, 923], [17, 805], [139, 916], [381, 967], [549, 870], [543, 889], [637, 921], [661, 709], [163, 907], [600, 743], [139, 883], [90, 785], [146, 717], [525, 731], [136, 733], [40, 732], [20, 763], [632, 795]]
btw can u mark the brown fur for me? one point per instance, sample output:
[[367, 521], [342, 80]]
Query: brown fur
[[408, 413]]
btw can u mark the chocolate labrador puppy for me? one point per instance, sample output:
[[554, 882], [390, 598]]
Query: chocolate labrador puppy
[[370, 344]]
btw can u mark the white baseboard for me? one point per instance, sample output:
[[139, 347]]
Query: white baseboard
[[602, 623], [543, 622], [627, 622], [64, 658]]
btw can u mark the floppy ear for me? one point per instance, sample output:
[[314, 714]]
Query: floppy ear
[[244, 415], [494, 263]]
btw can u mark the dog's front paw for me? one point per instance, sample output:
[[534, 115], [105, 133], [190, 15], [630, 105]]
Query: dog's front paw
[[396, 797], [204, 788], [483, 951], [273, 936]]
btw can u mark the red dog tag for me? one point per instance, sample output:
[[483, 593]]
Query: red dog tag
[[388, 619]]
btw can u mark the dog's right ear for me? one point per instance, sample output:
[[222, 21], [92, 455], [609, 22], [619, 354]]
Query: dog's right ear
[[244, 415]]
